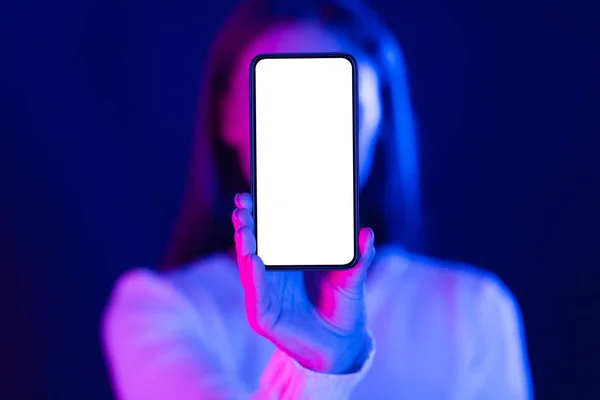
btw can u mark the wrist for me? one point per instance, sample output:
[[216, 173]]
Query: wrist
[[354, 357]]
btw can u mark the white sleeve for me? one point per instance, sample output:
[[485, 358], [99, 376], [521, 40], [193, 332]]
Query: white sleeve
[[285, 378], [500, 369], [157, 349]]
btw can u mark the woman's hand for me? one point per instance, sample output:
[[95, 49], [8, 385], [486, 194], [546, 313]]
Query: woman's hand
[[316, 317]]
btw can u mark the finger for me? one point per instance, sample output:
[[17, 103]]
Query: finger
[[242, 217], [261, 306], [366, 244], [243, 200], [352, 280], [255, 281], [245, 242]]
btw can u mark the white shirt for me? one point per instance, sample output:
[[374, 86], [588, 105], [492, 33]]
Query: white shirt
[[441, 331]]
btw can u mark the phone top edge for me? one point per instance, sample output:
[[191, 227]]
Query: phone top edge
[[263, 56], [253, 189]]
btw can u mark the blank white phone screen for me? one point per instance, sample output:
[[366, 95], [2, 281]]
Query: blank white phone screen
[[304, 161]]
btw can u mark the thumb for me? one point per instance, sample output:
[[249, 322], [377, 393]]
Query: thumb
[[352, 280]]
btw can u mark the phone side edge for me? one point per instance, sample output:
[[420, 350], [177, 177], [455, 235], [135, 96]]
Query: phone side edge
[[253, 191], [355, 147]]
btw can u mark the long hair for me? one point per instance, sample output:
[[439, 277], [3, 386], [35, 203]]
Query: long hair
[[389, 202]]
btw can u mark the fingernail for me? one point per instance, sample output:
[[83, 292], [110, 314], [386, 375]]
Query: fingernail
[[372, 237], [236, 199]]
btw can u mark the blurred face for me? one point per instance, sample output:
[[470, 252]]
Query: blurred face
[[291, 38]]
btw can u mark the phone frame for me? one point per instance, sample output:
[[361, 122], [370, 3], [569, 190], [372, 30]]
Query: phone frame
[[253, 186]]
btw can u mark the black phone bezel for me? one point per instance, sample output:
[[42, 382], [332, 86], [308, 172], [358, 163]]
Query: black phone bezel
[[253, 185]]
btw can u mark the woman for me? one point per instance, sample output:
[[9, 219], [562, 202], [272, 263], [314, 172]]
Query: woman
[[396, 326]]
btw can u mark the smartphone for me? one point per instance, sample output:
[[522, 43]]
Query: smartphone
[[304, 145]]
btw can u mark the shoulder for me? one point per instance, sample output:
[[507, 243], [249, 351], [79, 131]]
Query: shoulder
[[459, 281], [460, 295], [488, 322], [164, 325], [148, 285], [481, 307], [142, 297], [475, 300], [137, 285]]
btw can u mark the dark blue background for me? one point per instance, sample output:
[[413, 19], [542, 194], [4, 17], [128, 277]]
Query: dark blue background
[[97, 102]]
